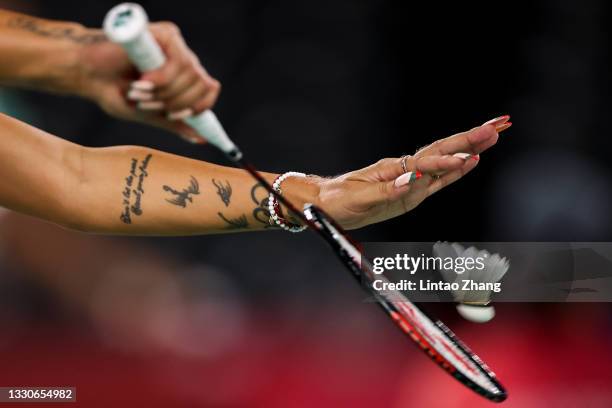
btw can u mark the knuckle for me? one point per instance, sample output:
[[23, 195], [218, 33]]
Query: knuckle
[[382, 189], [212, 90], [201, 106], [384, 193], [205, 103], [169, 27], [211, 99], [385, 162], [193, 59], [186, 64], [381, 162]]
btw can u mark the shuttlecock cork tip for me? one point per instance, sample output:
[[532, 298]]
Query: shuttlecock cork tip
[[476, 313]]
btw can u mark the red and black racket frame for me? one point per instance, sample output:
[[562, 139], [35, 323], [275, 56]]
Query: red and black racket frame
[[317, 217], [320, 222]]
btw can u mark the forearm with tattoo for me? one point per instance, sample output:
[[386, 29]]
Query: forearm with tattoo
[[158, 190], [129, 189], [134, 189], [66, 31], [43, 54]]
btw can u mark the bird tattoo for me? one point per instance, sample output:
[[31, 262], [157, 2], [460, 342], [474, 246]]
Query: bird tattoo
[[181, 197], [223, 191]]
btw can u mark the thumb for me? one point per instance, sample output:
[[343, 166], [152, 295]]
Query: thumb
[[403, 184]]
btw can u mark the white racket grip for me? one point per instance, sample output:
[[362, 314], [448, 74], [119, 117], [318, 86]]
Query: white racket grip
[[144, 52], [127, 25], [207, 124]]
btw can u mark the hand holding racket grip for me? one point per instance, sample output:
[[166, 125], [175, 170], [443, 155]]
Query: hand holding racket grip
[[127, 25]]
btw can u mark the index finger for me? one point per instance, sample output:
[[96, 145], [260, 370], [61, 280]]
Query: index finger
[[473, 141]]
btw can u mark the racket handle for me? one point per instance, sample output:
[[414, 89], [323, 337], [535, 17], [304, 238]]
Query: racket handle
[[127, 25]]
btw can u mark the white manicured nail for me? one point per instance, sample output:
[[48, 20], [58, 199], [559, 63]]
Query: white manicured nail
[[136, 95], [463, 156], [143, 85], [151, 105], [193, 139], [182, 114], [407, 178]]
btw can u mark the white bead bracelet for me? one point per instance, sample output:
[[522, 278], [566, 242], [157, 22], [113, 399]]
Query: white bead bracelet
[[275, 218]]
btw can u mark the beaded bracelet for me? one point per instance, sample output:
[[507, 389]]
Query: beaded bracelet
[[274, 208]]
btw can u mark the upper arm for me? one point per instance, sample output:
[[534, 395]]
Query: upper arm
[[38, 171]]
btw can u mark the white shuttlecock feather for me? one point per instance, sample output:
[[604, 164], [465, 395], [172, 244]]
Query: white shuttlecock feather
[[474, 305]]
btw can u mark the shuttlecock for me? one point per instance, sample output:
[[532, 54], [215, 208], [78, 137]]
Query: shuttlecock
[[474, 285]]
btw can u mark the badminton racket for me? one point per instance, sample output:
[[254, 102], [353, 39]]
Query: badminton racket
[[127, 25]]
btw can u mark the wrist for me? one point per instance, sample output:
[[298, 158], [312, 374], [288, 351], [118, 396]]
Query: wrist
[[67, 78], [300, 191], [68, 61], [91, 54], [48, 54]]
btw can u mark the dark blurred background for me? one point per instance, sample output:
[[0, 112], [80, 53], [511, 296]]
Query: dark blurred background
[[326, 87]]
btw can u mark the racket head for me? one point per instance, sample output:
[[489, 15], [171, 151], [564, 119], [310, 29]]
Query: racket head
[[435, 339]]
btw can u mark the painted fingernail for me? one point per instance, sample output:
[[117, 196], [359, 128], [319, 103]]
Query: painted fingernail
[[151, 105], [136, 95], [463, 156], [407, 178], [193, 139], [182, 114], [503, 127], [476, 157], [143, 85], [498, 121]]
